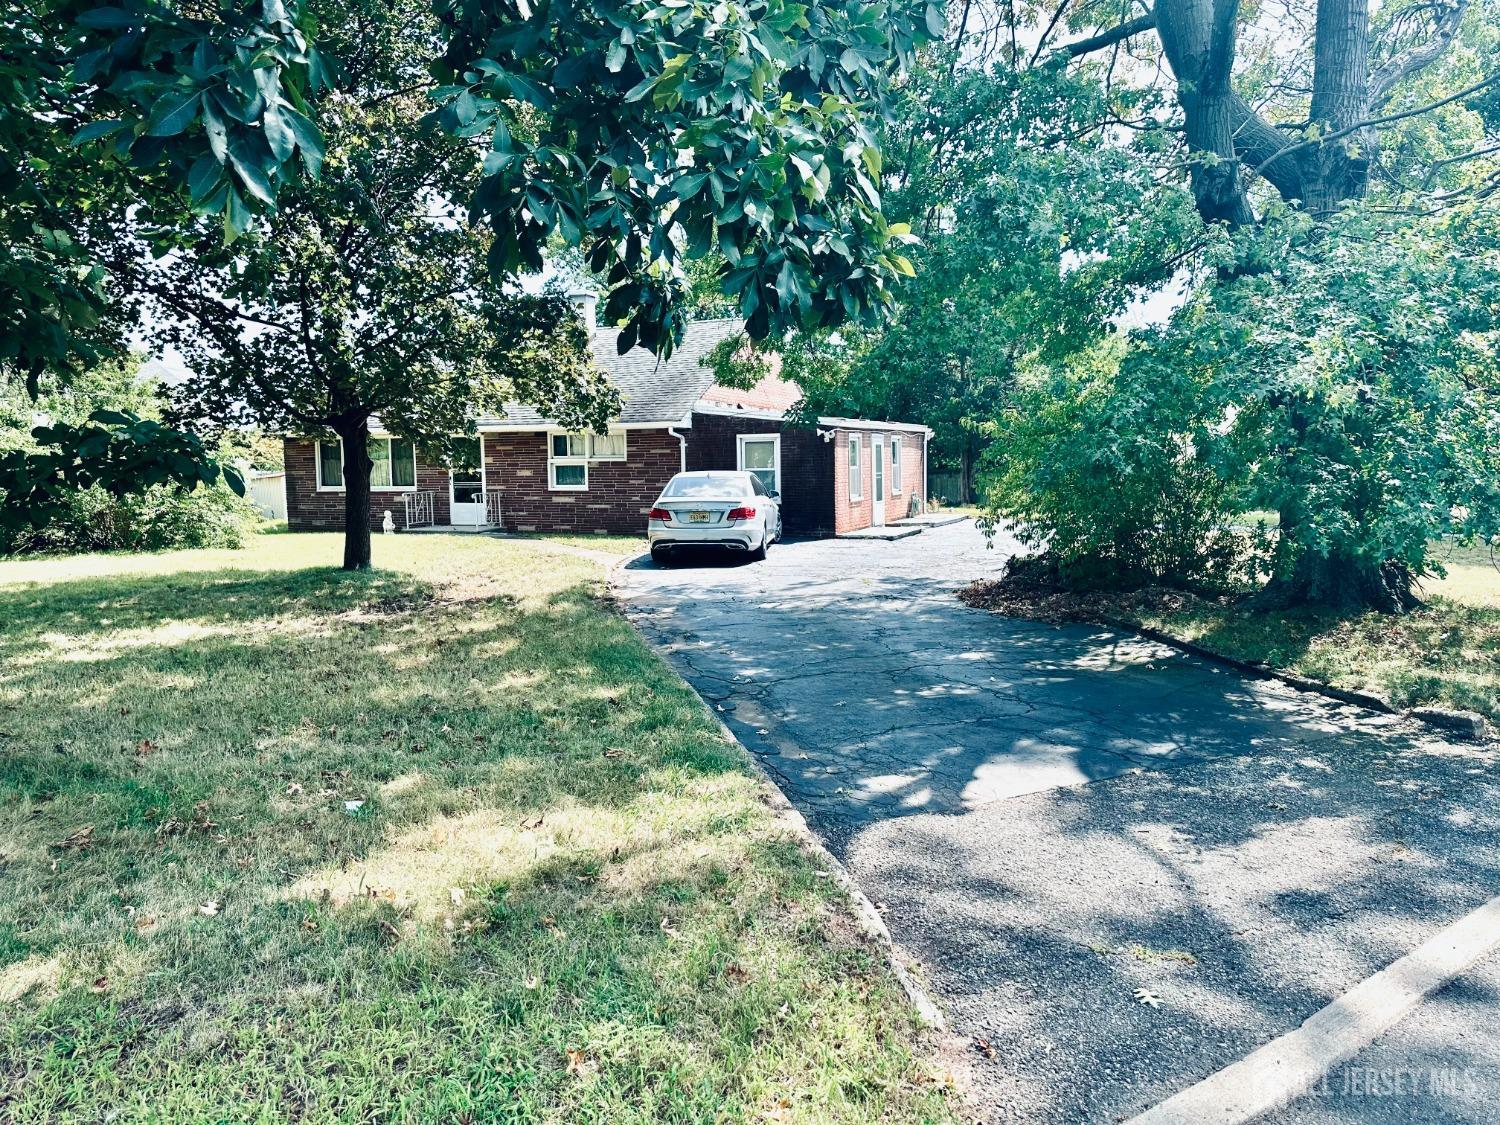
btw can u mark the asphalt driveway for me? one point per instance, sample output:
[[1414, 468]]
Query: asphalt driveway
[[1056, 817]]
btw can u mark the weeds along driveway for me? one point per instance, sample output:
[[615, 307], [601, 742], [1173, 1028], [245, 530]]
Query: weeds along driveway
[[1056, 817]]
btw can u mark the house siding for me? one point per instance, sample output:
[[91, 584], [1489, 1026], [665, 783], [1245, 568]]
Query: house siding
[[852, 515], [311, 509], [618, 498], [807, 470]]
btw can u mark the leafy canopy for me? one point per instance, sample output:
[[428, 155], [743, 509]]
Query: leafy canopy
[[651, 133]]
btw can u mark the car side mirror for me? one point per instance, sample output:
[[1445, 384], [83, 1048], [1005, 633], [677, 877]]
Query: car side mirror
[[775, 496]]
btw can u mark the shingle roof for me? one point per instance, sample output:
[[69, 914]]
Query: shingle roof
[[654, 390]]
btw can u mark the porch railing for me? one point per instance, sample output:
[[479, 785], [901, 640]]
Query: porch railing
[[492, 508], [419, 507]]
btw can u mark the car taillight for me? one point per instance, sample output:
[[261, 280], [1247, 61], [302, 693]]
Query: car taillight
[[660, 514], [741, 514]]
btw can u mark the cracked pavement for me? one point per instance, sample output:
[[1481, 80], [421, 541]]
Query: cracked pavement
[[1055, 817]]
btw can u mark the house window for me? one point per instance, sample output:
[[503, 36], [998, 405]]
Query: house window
[[330, 464], [568, 462], [856, 482], [607, 447], [568, 457], [896, 465], [394, 465], [760, 454]]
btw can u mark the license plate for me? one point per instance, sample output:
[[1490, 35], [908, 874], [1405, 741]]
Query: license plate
[[698, 517]]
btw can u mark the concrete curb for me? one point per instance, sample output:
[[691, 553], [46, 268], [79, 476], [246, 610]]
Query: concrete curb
[[871, 924], [1365, 699]]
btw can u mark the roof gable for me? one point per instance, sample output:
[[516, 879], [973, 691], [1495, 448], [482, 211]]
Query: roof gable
[[652, 389]]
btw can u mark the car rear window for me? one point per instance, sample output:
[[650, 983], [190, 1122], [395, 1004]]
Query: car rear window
[[691, 488]]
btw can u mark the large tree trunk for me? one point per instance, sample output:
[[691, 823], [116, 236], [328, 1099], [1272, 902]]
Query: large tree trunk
[[357, 466], [1345, 582], [1339, 169], [1198, 38]]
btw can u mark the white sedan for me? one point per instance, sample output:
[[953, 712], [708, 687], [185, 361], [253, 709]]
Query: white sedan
[[725, 509]]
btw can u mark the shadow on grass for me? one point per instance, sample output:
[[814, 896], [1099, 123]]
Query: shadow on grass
[[341, 846]]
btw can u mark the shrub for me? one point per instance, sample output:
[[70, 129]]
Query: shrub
[[162, 518], [1110, 471]]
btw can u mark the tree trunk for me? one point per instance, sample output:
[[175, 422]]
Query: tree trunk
[[1340, 581], [1198, 39], [357, 466], [1339, 169]]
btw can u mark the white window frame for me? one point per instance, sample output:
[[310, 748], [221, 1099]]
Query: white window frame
[[590, 456], [856, 468], [623, 455], [343, 461], [553, 461], [893, 486], [739, 452]]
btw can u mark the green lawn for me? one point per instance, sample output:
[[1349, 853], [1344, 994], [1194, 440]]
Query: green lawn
[[1447, 653], [439, 842]]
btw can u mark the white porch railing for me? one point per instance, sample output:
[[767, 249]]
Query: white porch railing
[[419, 507], [492, 508]]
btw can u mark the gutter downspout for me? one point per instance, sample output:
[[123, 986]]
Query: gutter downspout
[[926, 496], [681, 446]]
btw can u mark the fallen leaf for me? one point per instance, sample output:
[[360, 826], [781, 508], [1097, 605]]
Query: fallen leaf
[[101, 984], [456, 895], [736, 973], [531, 824], [145, 923], [294, 790], [78, 840], [144, 746], [984, 1046], [580, 1064], [762, 731], [1147, 997], [310, 925], [613, 752], [209, 909], [670, 930], [531, 982]]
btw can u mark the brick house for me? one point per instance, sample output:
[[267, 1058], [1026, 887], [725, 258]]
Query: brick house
[[526, 474]]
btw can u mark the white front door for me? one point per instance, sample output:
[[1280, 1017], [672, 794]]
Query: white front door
[[877, 469], [466, 485]]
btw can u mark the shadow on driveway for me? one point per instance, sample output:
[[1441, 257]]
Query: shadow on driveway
[[1251, 853]]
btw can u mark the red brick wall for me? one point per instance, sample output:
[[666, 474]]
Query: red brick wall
[[806, 465], [851, 515], [619, 495], [308, 509]]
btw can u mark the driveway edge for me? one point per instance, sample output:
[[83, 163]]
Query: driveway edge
[[871, 924]]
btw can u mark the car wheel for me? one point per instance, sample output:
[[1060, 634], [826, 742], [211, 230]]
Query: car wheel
[[660, 555], [759, 553]]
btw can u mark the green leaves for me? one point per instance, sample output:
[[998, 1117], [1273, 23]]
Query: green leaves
[[114, 450], [767, 153], [231, 88]]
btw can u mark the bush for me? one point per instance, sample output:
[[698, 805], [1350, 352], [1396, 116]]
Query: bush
[[160, 519], [1110, 471]]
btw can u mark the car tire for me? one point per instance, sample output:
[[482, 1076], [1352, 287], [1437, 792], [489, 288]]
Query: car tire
[[759, 553]]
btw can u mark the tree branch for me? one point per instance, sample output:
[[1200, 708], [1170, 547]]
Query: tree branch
[[1383, 120], [1403, 65], [1041, 43], [1108, 38]]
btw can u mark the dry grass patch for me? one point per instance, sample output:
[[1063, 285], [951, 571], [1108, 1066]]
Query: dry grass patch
[[437, 842]]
